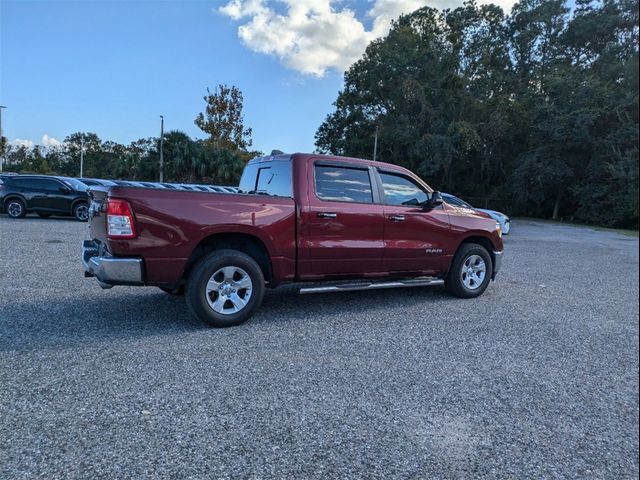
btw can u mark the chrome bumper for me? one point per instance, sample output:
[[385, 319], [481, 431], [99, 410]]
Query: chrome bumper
[[108, 270], [497, 263]]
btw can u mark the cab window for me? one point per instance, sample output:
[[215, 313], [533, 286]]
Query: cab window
[[342, 184], [267, 178], [400, 190]]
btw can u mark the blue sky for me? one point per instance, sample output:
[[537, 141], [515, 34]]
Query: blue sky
[[112, 67]]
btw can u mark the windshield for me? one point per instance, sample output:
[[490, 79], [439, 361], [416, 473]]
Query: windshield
[[75, 184], [453, 200]]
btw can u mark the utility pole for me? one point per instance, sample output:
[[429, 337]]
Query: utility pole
[[161, 152], [1, 155], [375, 145], [81, 155]]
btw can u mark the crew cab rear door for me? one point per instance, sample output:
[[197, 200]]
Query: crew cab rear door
[[416, 240], [340, 232]]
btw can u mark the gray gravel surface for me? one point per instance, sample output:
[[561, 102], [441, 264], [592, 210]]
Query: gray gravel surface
[[538, 378]]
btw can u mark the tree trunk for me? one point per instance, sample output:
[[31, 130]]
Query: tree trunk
[[556, 207]]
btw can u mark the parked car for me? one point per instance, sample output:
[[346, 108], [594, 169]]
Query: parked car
[[504, 220], [44, 195], [92, 182], [345, 222]]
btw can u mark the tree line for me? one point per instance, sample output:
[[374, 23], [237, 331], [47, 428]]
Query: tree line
[[536, 111], [218, 158]]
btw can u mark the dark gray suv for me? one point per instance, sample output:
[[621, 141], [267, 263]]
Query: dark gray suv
[[44, 195]]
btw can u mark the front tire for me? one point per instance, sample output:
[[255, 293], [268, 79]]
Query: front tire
[[16, 208], [225, 288], [81, 212], [470, 271]]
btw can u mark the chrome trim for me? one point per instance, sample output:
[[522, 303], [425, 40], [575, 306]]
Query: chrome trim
[[109, 270]]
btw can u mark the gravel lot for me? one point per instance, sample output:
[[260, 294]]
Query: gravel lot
[[537, 378]]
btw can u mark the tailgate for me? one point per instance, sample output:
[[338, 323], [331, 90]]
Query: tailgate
[[97, 214]]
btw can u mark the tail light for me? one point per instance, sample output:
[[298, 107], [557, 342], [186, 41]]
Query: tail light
[[120, 223]]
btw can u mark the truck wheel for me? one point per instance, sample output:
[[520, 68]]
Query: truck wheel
[[225, 288], [81, 212], [470, 271], [15, 208]]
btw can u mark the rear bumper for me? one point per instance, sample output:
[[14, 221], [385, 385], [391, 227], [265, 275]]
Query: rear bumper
[[109, 270], [497, 263]]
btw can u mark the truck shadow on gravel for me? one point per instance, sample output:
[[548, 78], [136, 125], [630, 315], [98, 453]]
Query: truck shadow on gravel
[[129, 313]]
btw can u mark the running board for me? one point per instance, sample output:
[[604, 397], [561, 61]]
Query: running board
[[351, 286]]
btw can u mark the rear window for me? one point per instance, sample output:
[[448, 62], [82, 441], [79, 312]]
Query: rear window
[[267, 178]]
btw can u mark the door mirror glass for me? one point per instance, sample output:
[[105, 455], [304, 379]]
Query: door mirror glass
[[64, 189], [434, 201]]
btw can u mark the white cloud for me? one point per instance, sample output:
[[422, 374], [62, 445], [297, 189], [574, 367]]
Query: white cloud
[[50, 142], [19, 142], [314, 36]]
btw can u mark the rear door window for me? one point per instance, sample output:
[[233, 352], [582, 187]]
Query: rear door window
[[343, 184], [28, 183]]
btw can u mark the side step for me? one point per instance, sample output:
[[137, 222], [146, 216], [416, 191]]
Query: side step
[[355, 285]]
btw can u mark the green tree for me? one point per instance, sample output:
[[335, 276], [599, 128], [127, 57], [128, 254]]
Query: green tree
[[223, 120], [538, 108]]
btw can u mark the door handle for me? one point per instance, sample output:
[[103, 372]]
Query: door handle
[[396, 218], [327, 215]]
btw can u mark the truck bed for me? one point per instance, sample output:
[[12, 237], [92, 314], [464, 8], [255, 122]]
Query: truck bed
[[172, 222]]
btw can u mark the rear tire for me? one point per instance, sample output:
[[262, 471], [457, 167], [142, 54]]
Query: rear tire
[[15, 208], [225, 288], [470, 271], [81, 212]]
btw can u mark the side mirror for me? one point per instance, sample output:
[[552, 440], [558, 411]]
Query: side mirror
[[434, 201], [64, 189]]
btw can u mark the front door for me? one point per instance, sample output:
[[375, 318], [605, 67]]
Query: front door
[[341, 226], [416, 239], [57, 196]]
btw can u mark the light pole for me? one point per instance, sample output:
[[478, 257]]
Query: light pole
[[1, 144], [375, 144], [161, 152], [81, 155]]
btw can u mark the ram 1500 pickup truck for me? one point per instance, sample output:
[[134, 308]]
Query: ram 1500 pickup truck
[[329, 223]]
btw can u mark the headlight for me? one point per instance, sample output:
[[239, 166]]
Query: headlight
[[499, 229]]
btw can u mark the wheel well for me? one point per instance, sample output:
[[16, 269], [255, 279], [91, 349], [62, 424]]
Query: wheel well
[[77, 201], [14, 197], [483, 241], [244, 243]]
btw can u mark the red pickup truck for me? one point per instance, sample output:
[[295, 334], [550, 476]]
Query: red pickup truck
[[337, 223]]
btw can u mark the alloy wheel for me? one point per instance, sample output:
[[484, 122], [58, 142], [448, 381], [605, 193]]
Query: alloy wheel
[[229, 290], [474, 271]]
